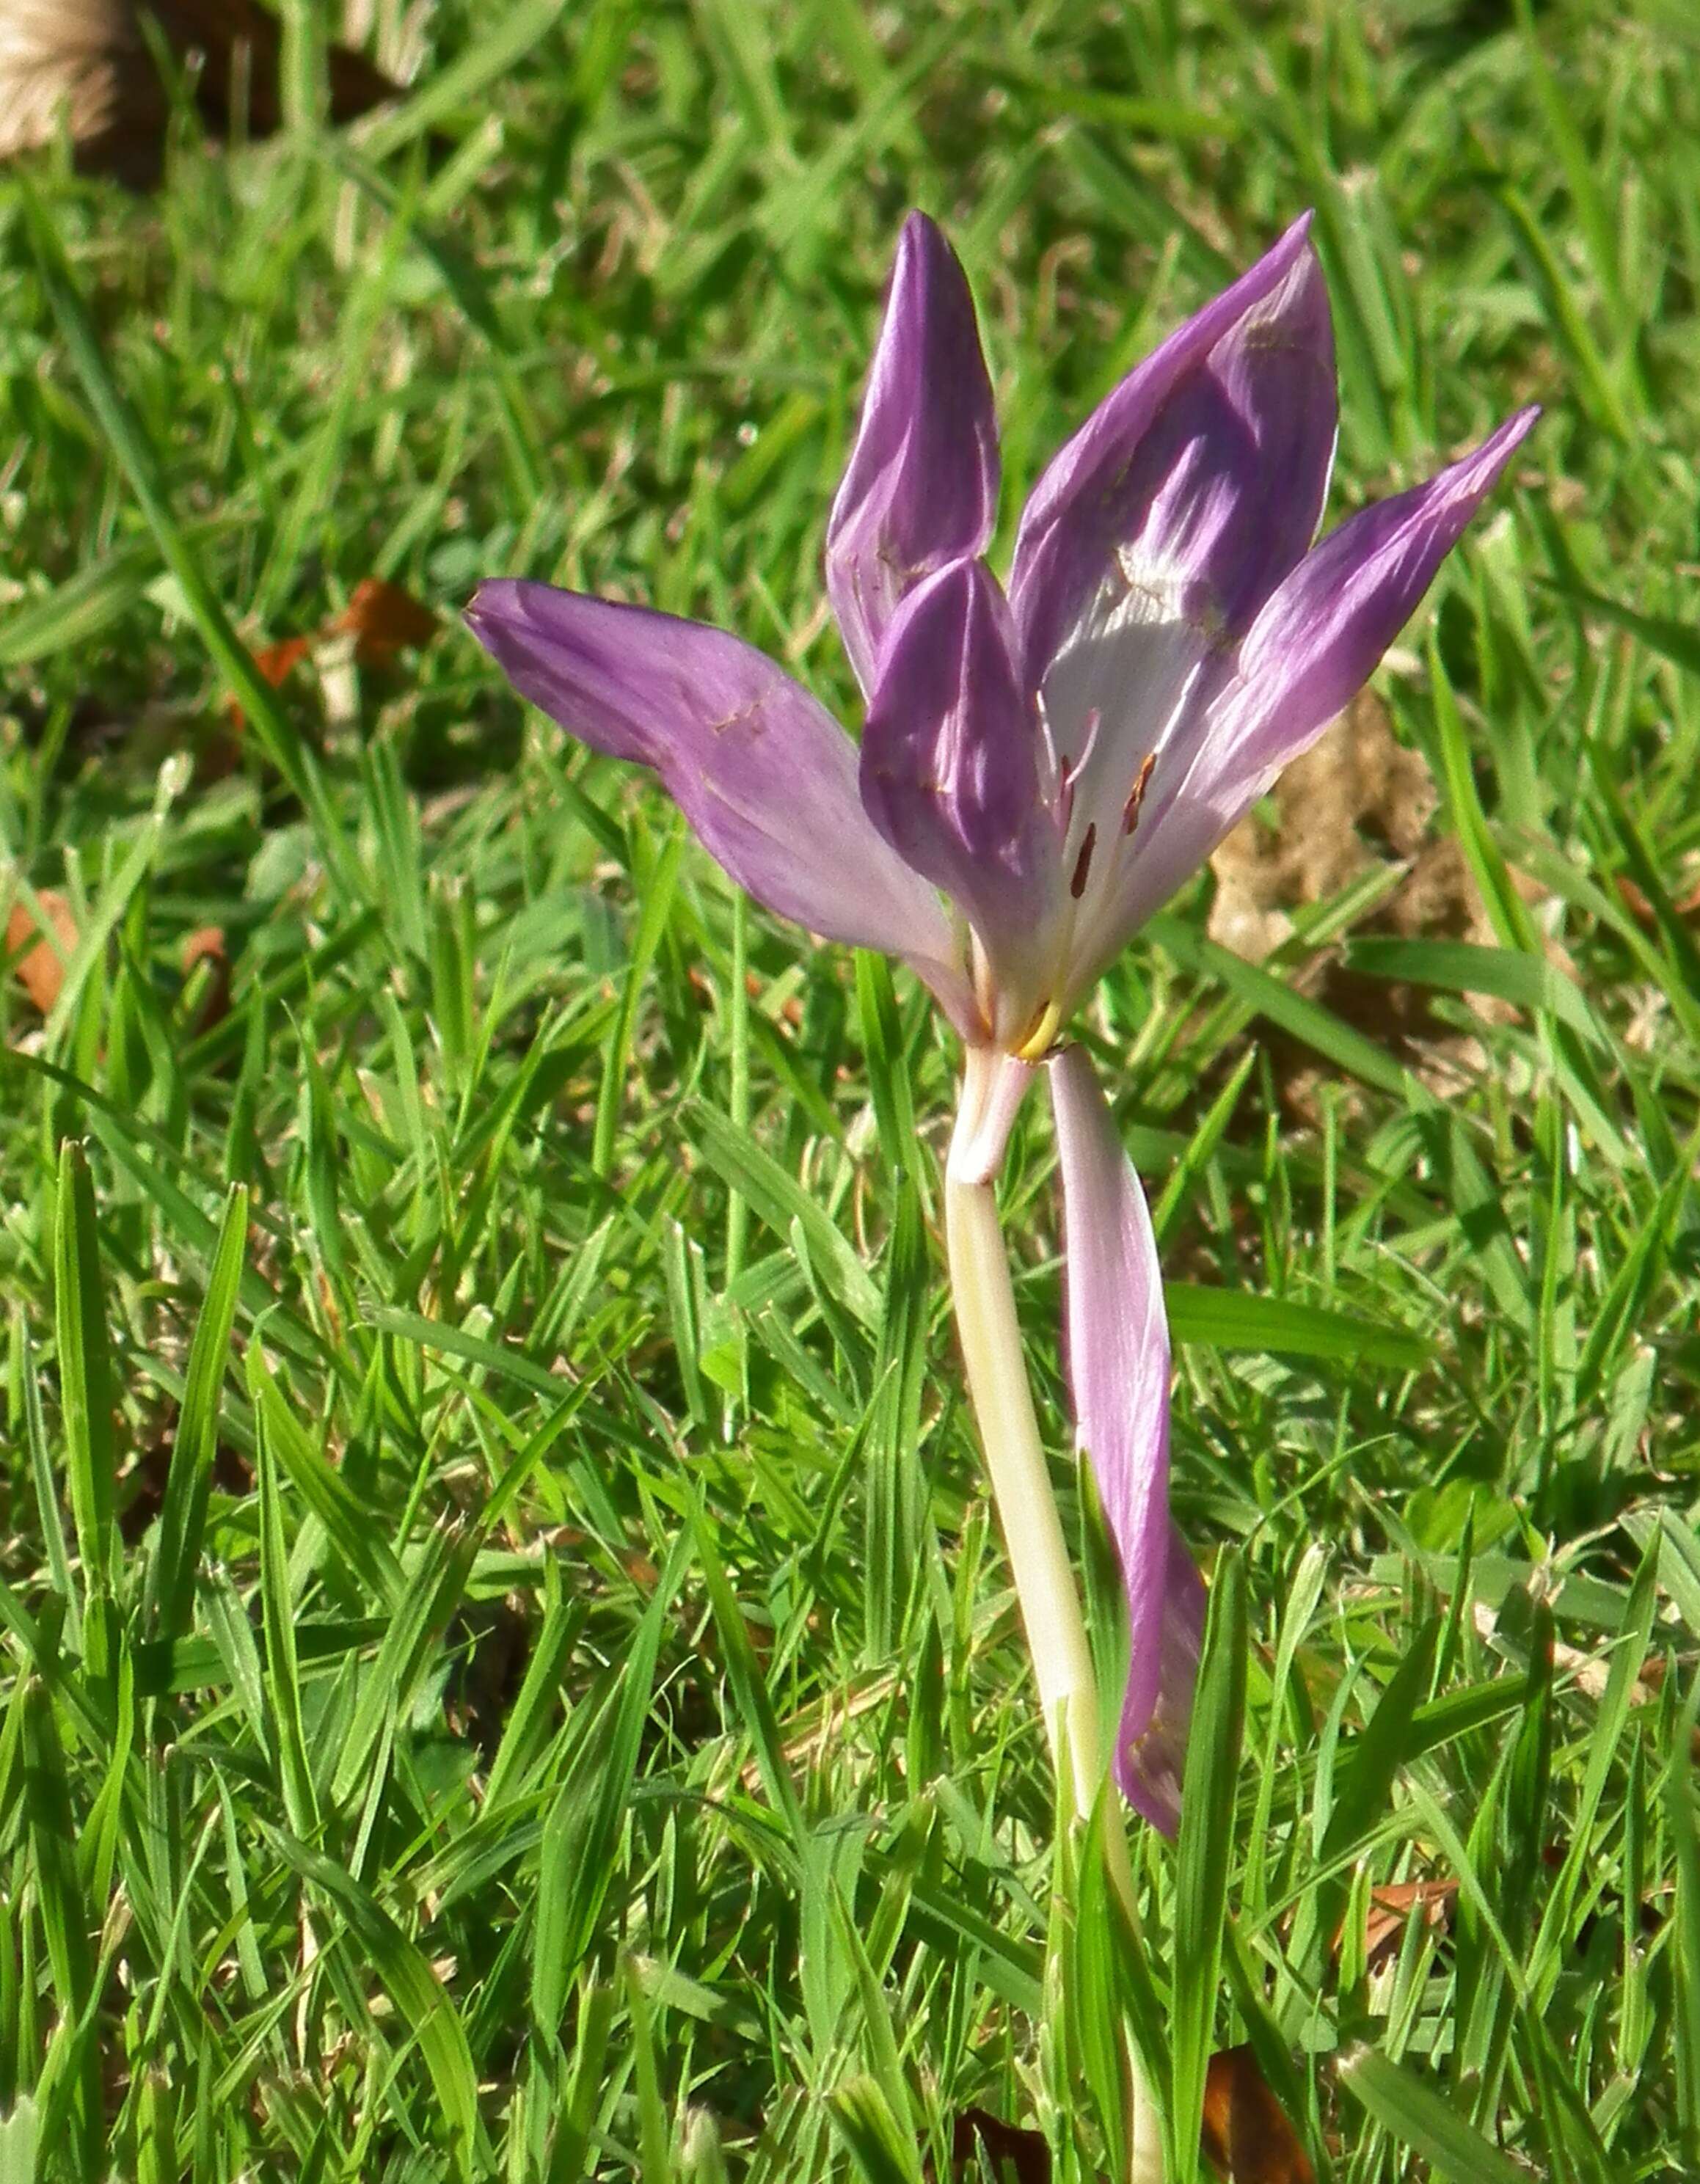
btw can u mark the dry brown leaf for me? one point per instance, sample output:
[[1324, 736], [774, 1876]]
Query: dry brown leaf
[[1643, 912], [1356, 800], [85, 65], [41, 968], [1390, 1908], [206, 945], [1246, 2135], [276, 662], [383, 619], [1005, 2150]]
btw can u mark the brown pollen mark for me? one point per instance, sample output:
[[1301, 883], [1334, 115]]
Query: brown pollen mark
[[1083, 864], [1136, 795]]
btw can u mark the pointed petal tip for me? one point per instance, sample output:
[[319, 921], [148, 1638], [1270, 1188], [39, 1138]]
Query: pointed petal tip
[[1520, 424], [920, 232], [920, 486], [1467, 482], [496, 600]]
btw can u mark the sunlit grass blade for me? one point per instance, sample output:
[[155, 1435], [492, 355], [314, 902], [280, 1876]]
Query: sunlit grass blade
[[86, 1387], [182, 1515], [1208, 1807], [140, 463], [1422, 2121]]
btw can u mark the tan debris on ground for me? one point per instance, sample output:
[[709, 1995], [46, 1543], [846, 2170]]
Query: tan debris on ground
[[86, 66], [1357, 798]]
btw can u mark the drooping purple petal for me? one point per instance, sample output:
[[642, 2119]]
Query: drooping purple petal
[[763, 773], [1118, 1364], [1095, 494], [1311, 650], [953, 770], [921, 489], [1154, 1767]]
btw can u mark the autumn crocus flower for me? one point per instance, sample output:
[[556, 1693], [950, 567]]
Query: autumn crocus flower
[[1043, 763]]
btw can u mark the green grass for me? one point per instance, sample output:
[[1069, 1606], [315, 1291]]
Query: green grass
[[507, 1668]]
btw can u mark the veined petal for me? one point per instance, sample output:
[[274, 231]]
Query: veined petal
[[1095, 493], [1312, 649], [1160, 564], [921, 487], [1321, 635], [1154, 1763], [764, 774], [1118, 1366], [1231, 482], [953, 774]]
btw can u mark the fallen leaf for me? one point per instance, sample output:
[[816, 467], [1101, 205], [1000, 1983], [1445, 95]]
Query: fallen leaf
[[1006, 2151], [274, 662], [89, 62], [1390, 1907], [206, 945], [383, 619], [1357, 803], [1247, 2136], [41, 968], [1639, 908]]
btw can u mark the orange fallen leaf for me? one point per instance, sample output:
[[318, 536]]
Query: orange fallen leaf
[[41, 969], [1246, 2135], [1001, 2149], [274, 662], [383, 619], [206, 945], [1392, 1905], [1643, 912]]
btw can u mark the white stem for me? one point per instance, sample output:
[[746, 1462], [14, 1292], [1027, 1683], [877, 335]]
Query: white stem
[[1032, 1532], [1033, 1537]]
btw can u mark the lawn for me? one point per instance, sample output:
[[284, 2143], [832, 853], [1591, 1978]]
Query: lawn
[[509, 1667]]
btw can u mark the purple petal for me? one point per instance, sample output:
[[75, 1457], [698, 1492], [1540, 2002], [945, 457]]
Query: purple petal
[[1096, 493], [1309, 652], [1118, 1361], [921, 487], [1231, 478], [1206, 509], [763, 773], [952, 774], [1319, 639], [1154, 1765]]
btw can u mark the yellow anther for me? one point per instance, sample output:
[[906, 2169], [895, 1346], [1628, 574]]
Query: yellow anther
[[1038, 1041]]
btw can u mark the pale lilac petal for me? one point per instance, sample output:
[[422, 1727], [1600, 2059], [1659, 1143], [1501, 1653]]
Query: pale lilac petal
[[1153, 1764], [1231, 479], [953, 775], [1321, 635], [1119, 1365], [1211, 507], [921, 489], [1309, 652], [1096, 495], [763, 773]]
